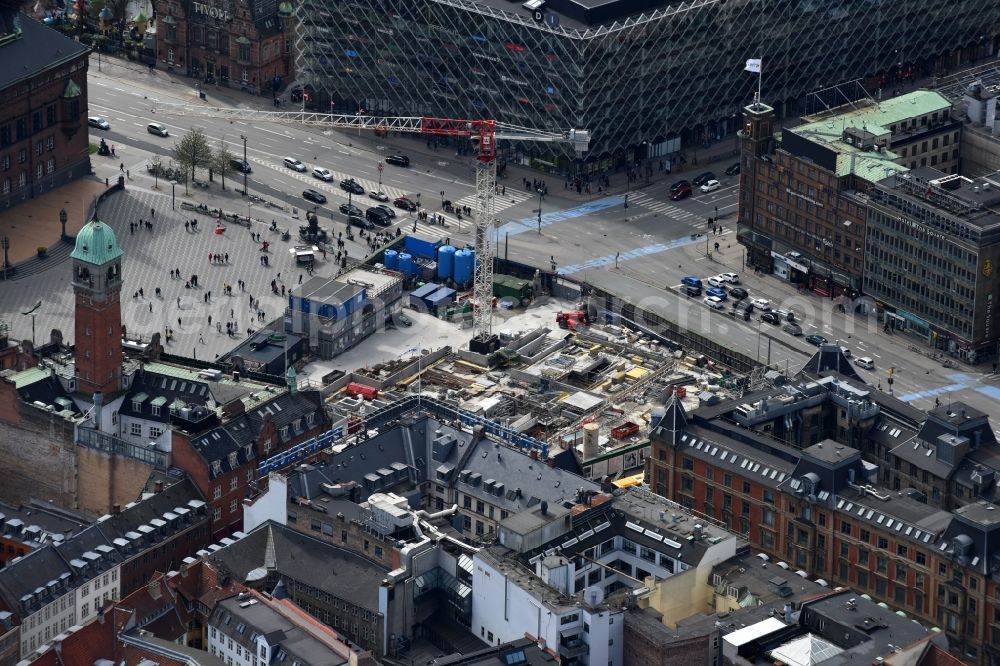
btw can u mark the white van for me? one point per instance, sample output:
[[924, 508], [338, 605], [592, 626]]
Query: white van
[[158, 129], [865, 362]]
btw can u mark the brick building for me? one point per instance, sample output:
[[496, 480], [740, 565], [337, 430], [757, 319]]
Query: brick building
[[29, 526], [847, 485], [796, 217], [246, 45], [223, 457], [43, 108]]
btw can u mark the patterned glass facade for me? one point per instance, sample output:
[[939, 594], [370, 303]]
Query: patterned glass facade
[[645, 86]]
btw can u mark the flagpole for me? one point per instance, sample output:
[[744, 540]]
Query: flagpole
[[760, 78]]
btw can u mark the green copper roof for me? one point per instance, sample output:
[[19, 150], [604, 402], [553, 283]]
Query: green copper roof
[[71, 90], [242, 39], [286, 9], [96, 244]]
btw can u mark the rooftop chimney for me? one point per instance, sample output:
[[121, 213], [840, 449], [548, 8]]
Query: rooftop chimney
[[158, 487]]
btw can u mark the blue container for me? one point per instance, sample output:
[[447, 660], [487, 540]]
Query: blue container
[[446, 262], [391, 259], [421, 247], [463, 267], [405, 265]]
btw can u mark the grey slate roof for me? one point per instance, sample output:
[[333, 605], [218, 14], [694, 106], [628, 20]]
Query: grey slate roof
[[301, 558], [21, 57]]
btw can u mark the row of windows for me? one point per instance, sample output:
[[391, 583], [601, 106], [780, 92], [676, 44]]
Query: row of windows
[[21, 129], [41, 169]]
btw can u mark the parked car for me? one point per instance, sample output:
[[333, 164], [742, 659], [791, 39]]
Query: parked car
[[322, 174], [240, 165], [313, 195], [731, 278], [358, 221], [710, 186], [761, 304], [159, 129], [404, 203], [734, 170], [98, 122], [378, 196], [792, 329], [713, 302], [352, 186], [351, 209], [716, 281], [770, 318], [680, 184], [865, 362], [691, 281], [388, 210], [716, 292], [398, 160], [294, 164], [815, 339], [738, 293], [682, 193], [701, 179]]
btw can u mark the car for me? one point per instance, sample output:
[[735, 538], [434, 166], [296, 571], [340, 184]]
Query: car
[[716, 281], [713, 302], [710, 186], [404, 203], [240, 165], [761, 304], [159, 129], [865, 362], [770, 318], [701, 179], [845, 351], [731, 278], [378, 216], [680, 184], [352, 186], [398, 160], [742, 313], [742, 306], [785, 315], [401, 318], [351, 209], [716, 292], [692, 291], [314, 196], [734, 170], [792, 329], [388, 210], [738, 293], [294, 164], [683, 193], [691, 281], [815, 339], [358, 221], [378, 196], [322, 174], [98, 122]]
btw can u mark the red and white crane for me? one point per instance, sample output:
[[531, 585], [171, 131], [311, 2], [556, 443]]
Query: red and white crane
[[484, 132]]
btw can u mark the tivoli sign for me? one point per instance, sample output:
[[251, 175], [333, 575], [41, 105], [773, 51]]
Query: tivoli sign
[[211, 11]]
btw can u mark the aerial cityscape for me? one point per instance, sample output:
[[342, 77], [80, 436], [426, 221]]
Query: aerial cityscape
[[499, 333]]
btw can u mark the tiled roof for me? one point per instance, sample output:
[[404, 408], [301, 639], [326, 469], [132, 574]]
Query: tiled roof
[[21, 56]]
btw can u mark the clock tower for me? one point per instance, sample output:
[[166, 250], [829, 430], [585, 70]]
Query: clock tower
[[97, 282]]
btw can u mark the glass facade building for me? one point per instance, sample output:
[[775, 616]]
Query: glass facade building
[[647, 79]]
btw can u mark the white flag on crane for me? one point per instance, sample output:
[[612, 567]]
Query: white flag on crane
[[753, 65]]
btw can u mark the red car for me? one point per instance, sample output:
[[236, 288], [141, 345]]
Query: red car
[[682, 192], [404, 203]]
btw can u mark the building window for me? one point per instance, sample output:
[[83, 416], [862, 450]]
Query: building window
[[136, 429], [171, 36], [217, 515], [51, 143], [232, 483], [6, 186], [217, 492], [155, 432], [232, 506], [39, 148], [245, 76], [23, 179]]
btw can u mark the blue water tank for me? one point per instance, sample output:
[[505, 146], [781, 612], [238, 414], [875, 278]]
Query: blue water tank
[[446, 262], [463, 267], [405, 265], [391, 259]]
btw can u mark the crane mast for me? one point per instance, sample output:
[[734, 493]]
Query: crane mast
[[483, 132]]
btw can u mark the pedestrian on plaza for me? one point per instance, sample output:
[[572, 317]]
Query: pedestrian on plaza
[[201, 339], [187, 226], [209, 320], [113, 150], [178, 301], [150, 307], [300, 278], [227, 257], [122, 167], [142, 294]]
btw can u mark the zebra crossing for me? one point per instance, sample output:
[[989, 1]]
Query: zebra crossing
[[661, 207], [500, 202], [333, 187]]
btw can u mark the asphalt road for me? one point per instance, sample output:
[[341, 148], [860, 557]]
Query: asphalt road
[[645, 248]]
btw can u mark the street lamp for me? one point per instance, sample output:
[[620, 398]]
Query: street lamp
[[249, 203], [173, 195], [539, 211], [62, 221], [245, 164], [32, 313]]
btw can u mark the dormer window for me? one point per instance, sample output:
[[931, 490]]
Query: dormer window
[[284, 432], [232, 460], [155, 410], [297, 425], [216, 467], [248, 451], [310, 419], [137, 406]]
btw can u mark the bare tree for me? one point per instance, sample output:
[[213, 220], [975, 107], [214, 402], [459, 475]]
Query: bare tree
[[156, 164], [222, 160], [192, 152]]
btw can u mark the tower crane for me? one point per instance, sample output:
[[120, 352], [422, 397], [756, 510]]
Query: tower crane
[[485, 133]]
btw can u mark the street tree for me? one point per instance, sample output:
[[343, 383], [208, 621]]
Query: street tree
[[193, 152], [222, 160], [156, 165]]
